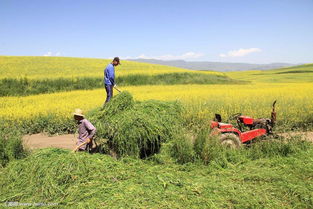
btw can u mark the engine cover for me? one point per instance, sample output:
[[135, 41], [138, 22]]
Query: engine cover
[[246, 120]]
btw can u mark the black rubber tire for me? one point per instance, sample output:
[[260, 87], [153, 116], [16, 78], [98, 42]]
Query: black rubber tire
[[230, 140]]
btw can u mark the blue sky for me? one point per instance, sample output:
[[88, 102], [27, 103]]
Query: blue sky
[[197, 30]]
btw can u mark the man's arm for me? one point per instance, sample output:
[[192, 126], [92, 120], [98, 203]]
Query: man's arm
[[92, 132], [82, 144], [111, 75], [91, 128]]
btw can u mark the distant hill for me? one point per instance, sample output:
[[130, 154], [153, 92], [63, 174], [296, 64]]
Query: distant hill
[[295, 74], [215, 66]]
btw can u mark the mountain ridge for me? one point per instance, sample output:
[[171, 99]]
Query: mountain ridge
[[215, 66]]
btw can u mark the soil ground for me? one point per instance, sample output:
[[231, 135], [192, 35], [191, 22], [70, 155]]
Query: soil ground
[[37, 141], [304, 135], [68, 141]]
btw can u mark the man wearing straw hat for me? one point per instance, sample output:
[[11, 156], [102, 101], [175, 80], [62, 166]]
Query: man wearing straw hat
[[86, 131], [109, 78]]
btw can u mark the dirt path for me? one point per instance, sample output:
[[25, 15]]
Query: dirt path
[[37, 141], [303, 135]]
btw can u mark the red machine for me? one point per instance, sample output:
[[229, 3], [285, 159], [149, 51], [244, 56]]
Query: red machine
[[248, 128]]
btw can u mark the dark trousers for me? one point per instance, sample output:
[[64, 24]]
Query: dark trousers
[[109, 90]]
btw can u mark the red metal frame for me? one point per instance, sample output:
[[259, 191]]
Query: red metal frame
[[249, 135], [246, 120], [243, 136]]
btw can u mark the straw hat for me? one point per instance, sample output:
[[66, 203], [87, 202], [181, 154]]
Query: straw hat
[[78, 112]]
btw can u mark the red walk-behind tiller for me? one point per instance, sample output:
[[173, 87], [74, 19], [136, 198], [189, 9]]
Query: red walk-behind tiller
[[247, 130]]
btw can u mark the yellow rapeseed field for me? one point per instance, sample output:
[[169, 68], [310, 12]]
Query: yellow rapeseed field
[[65, 67], [293, 100]]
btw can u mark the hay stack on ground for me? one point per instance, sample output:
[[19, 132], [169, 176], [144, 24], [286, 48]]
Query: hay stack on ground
[[136, 128]]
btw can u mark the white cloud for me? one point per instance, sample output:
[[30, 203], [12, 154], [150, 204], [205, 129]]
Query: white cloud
[[240, 52], [48, 54], [187, 55]]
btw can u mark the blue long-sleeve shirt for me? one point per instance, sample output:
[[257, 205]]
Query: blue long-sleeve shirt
[[109, 75]]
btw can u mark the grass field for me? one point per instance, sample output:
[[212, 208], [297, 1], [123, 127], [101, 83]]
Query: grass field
[[296, 74], [95, 181], [196, 173]]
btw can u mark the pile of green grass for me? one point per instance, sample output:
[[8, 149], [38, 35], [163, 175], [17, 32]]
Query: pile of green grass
[[11, 147], [131, 128], [99, 181]]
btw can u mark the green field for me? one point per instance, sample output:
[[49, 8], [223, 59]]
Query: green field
[[22, 76], [296, 74], [95, 181], [163, 110]]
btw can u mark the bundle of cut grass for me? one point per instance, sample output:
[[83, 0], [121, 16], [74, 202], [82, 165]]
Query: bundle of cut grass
[[136, 128]]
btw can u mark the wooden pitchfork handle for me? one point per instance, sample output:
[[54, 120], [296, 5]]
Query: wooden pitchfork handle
[[117, 89], [82, 144]]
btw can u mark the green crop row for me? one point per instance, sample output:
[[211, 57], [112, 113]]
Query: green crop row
[[24, 86]]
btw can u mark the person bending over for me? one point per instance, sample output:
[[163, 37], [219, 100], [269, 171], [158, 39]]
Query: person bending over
[[86, 131]]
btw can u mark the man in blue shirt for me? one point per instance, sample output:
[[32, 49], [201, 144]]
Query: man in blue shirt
[[109, 78]]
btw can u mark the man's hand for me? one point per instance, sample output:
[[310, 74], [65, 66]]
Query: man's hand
[[88, 140]]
